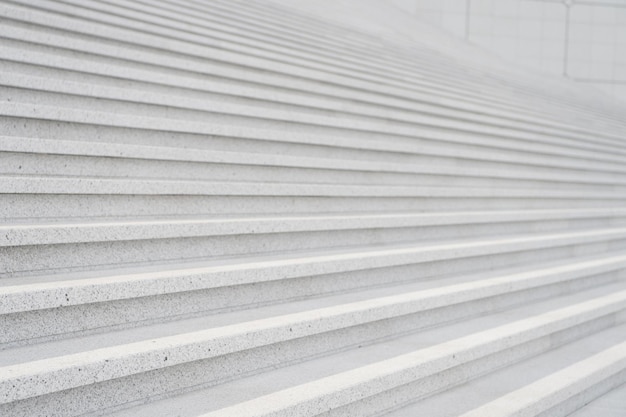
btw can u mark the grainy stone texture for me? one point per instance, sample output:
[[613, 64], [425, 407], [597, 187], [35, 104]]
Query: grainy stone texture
[[255, 208]]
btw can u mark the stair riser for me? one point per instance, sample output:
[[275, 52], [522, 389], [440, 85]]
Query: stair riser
[[61, 165], [20, 260], [288, 68], [178, 82], [268, 48], [177, 68], [172, 105], [422, 388], [93, 64], [182, 279], [167, 117], [280, 214], [62, 231], [22, 206], [408, 151], [55, 323], [580, 400], [183, 60], [194, 375]]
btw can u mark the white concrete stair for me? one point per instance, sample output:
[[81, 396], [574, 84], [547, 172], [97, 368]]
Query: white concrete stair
[[566, 389], [247, 208], [336, 391], [555, 384]]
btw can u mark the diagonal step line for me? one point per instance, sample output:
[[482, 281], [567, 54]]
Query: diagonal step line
[[25, 379], [337, 390], [15, 298], [558, 387]]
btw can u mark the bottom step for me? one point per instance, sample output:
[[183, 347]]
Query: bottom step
[[553, 384], [384, 376]]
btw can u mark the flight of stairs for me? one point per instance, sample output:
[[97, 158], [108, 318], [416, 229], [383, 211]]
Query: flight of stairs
[[238, 208]]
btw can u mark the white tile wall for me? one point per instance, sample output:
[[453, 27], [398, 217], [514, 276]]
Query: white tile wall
[[535, 33]]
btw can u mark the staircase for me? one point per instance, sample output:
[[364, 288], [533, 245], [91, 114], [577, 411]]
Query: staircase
[[239, 208]]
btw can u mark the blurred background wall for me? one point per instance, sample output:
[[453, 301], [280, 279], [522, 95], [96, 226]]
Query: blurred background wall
[[582, 40]]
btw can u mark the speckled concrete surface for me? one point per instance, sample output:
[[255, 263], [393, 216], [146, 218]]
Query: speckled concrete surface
[[563, 391], [261, 208], [256, 270]]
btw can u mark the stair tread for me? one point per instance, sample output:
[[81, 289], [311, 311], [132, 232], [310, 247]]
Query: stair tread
[[48, 291], [239, 121], [209, 156], [472, 397], [46, 231], [189, 105], [98, 185], [589, 168], [315, 370], [455, 288], [230, 208]]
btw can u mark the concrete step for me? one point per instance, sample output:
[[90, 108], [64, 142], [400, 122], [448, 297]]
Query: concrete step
[[91, 13], [56, 6], [66, 246], [583, 143], [232, 208], [552, 384], [46, 206], [70, 158], [314, 47], [38, 384], [32, 184], [59, 58], [59, 231], [148, 14], [566, 390], [464, 294], [350, 120], [62, 132], [480, 68], [40, 90], [57, 302], [378, 379], [370, 379]]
